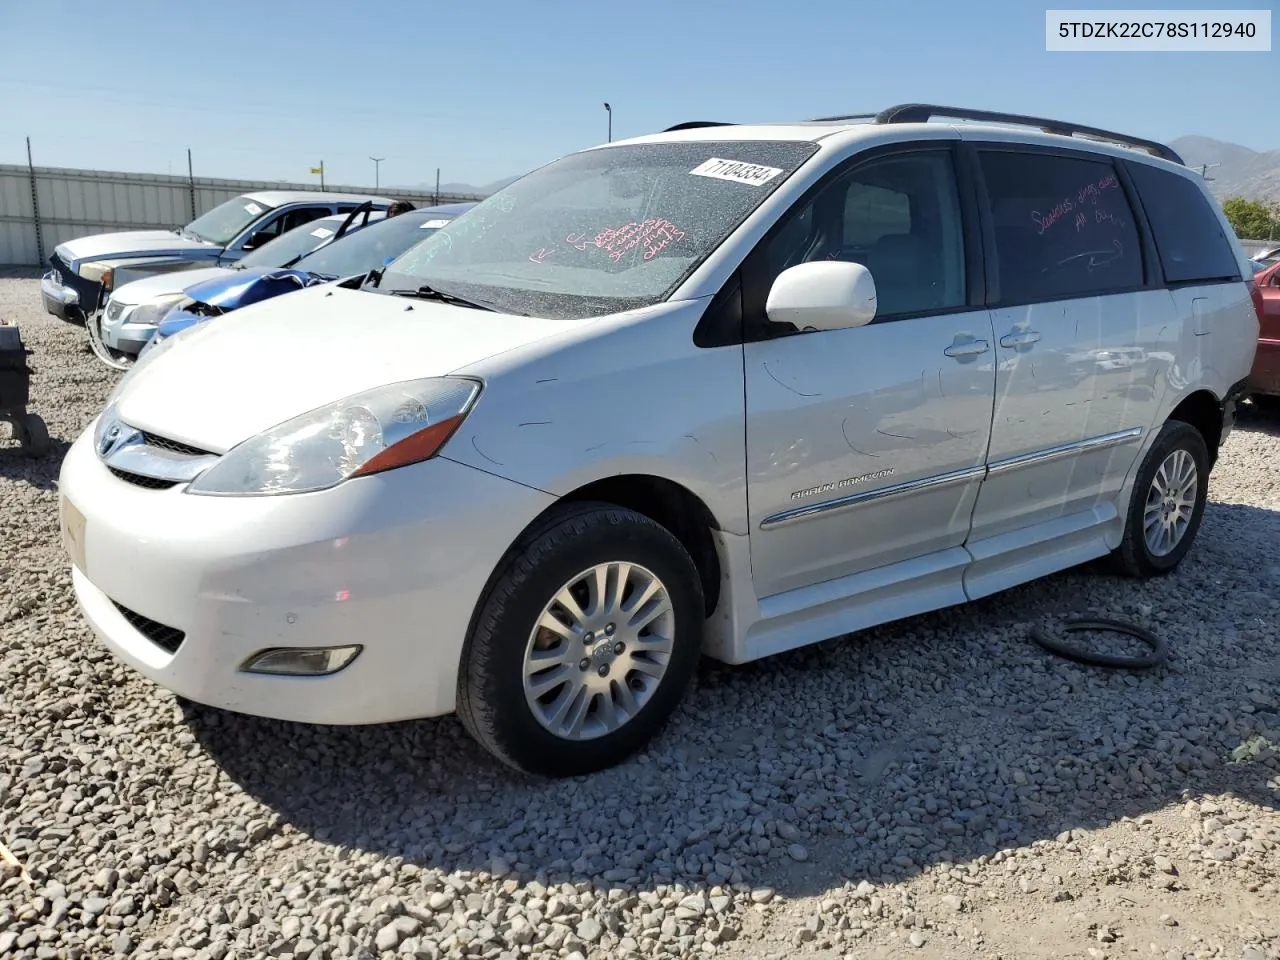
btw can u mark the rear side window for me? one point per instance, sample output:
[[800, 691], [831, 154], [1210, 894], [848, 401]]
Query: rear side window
[[1189, 237], [1063, 227]]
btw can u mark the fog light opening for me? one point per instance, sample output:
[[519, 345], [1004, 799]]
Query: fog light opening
[[301, 661]]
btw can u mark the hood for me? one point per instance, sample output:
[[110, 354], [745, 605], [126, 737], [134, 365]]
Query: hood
[[176, 281], [103, 246], [293, 354], [240, 288]]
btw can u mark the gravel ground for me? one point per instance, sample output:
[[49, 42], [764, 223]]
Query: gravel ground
[[937, 788]]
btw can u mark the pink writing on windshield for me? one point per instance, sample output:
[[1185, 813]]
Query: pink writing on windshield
[[654, 235]]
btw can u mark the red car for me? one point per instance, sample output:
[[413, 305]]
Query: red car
[[1264, 380]]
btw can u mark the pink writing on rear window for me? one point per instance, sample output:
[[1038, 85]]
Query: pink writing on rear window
[[1089, 193]]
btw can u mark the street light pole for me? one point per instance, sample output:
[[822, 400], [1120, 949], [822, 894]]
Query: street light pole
[[609, 110], [376, 163]]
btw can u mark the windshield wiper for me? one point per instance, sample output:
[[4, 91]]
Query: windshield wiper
[[426, 292]]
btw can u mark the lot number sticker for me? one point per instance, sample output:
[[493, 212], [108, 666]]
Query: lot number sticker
[[322, 232], [753, 174]]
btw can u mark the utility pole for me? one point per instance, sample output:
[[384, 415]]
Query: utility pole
[[437, 196], [377, 161], [609, 110]]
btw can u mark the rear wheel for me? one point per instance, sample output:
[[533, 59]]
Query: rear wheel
[[1167, 504], [585, 644]]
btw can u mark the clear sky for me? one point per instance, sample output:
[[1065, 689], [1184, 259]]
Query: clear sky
[[485, 90]]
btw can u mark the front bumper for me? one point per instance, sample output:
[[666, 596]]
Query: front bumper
[[120, 334], [61, 300], [395, 561]]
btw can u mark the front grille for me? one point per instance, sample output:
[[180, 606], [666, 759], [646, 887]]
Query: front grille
[[168, 639], [138, 480], [173, 446]]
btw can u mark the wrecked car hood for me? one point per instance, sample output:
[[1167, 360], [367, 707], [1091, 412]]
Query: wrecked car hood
[[140, 243]]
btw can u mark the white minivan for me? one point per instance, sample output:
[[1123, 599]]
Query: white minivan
[[723, 390]]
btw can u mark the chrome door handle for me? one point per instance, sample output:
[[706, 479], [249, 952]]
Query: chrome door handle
[[1023, 338], [969, 348]]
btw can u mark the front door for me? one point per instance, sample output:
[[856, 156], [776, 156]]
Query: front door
[[866, 446], [1081, 359]]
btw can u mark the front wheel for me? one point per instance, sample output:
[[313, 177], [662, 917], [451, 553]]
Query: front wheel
[[585, 644], [1167, 504]]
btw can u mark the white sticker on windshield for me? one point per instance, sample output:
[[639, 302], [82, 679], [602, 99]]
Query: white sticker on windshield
[[322, 232], [253, 208], [737, 171], [434, 225]]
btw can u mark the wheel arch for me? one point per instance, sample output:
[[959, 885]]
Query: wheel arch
[[671, 505], [1203, 410]]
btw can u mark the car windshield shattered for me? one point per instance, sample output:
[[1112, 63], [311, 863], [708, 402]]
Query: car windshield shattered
[[598, 232], [286, 250], [370, 248], [224, 222]]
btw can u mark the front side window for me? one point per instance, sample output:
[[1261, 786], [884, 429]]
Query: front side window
[[224, 222], [284, 223], [598, 232], [898, 216], [1063, 227]]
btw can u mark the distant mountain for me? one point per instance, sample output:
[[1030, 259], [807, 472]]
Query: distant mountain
[[1233, 170], [454, 187]]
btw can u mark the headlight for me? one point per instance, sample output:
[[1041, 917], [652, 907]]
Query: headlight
[[94, 271], [150, 314], [370, 432]]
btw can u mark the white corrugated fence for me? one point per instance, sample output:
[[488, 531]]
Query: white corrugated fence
[[75, 203]]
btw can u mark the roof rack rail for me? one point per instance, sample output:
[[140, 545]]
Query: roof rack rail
[[847, 116], [694, 124], [923, 112]]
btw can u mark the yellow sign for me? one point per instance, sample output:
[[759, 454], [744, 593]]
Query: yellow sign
[[317, 169]]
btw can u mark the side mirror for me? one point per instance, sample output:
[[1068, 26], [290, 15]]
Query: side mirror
[[256, 240], [823, 295]]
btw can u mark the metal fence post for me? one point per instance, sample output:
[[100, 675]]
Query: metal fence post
[[191, 182], [35, 208]]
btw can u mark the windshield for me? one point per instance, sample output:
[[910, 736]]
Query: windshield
[[224, 222], [288, 247], [602, 231], [370, 248]]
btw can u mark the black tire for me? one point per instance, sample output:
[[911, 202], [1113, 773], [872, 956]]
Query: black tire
[[35, 436], [570, 539], [1134, 557]]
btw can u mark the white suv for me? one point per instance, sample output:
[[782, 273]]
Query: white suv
[[727, 389]]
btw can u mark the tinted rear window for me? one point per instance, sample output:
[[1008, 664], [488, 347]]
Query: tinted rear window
[[1063, 227], [1189, 237]]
